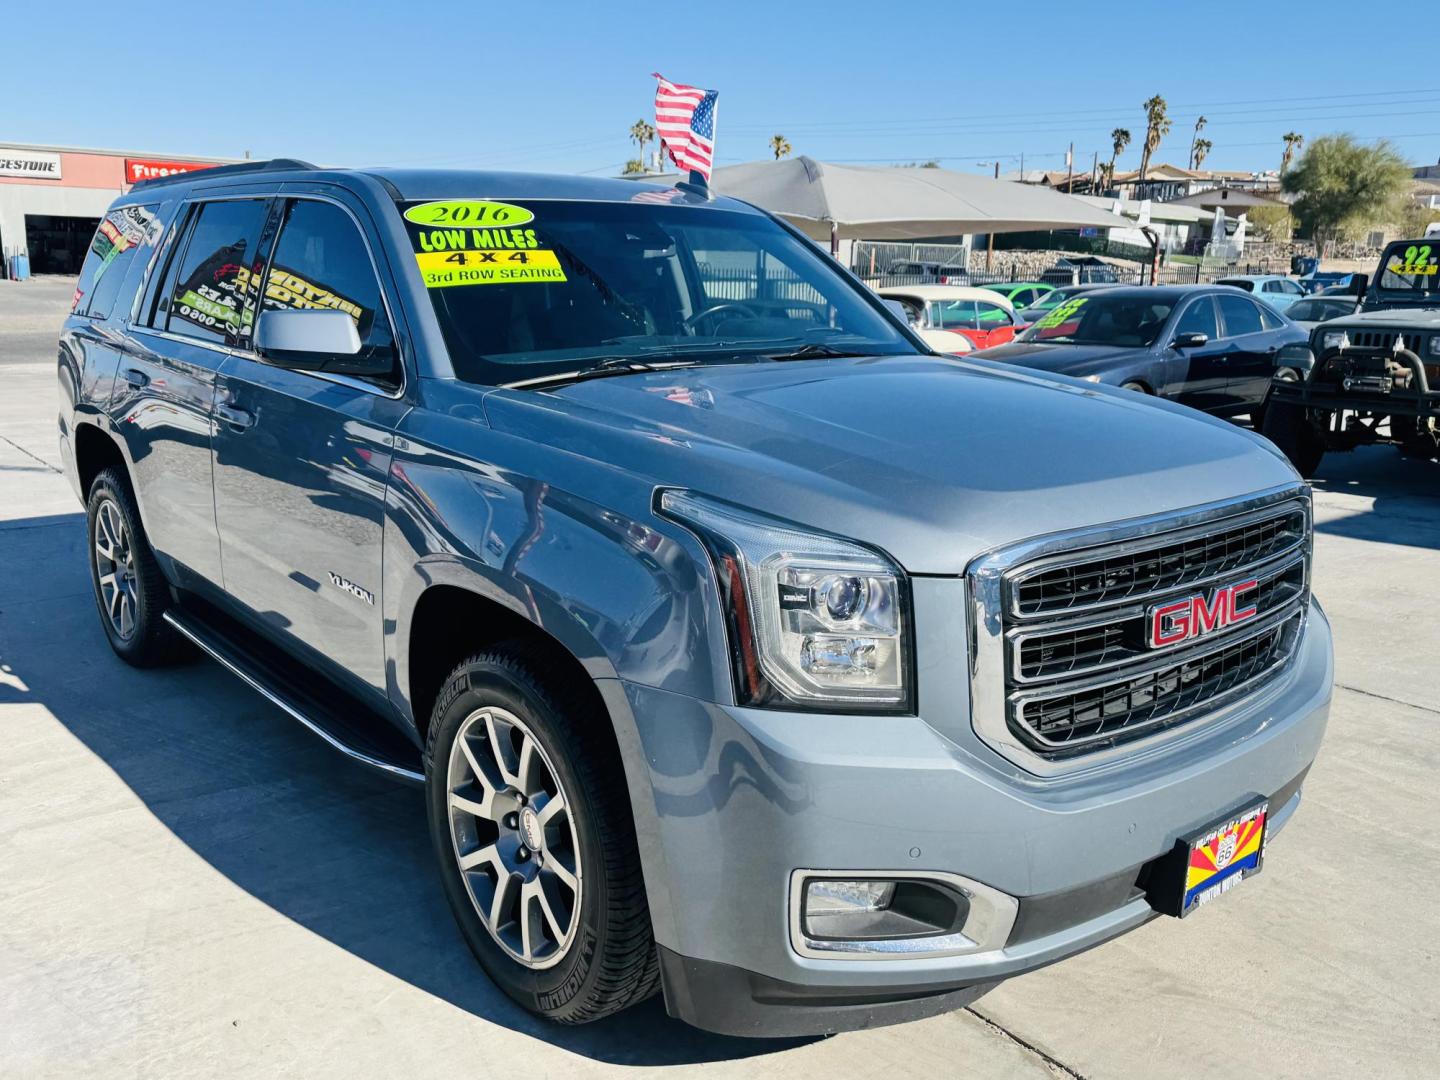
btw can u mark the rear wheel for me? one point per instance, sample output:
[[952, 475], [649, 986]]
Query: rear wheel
[[130, 591], [531, 825], [1139, 388], [1289, 428]]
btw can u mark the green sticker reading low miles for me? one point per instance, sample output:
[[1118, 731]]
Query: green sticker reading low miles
[[472, 212]]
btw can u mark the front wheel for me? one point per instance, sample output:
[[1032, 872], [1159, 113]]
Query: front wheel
[[1289, 428], [1282, 375], [531, 824]]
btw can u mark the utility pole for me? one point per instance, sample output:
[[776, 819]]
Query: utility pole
[[1070, 170], [990, 239], [1095, 172]]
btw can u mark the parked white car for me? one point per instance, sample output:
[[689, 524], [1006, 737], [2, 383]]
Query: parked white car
[[956, 318]]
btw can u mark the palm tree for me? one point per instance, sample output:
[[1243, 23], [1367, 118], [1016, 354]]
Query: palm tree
[[1157, 126], [641, 134], [1197, 154], [1293, 142], [1119, 140], [779, 146], [1194, 139]]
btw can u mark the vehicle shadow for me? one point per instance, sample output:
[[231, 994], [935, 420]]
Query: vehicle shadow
[[320, 840], [1406, 494]]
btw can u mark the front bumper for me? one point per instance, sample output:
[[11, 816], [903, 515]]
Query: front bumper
[[738, 799]]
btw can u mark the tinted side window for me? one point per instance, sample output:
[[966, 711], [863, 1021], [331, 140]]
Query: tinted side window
[[321, 261], [1272, 287], [1240, 314], [210, 296], [1198, 318], [121, 234], [1270, 320]]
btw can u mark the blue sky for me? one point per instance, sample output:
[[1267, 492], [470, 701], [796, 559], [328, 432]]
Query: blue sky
[[554, 86]]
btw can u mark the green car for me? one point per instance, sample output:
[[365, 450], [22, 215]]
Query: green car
[[1022, 294]]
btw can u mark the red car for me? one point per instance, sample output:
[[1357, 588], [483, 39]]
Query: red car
[[981, 318]]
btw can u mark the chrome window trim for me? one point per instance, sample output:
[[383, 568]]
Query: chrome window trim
[[986, 929], [986, 588]]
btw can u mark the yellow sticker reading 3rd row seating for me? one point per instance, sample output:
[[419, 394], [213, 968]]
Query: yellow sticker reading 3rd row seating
[[441, 269]]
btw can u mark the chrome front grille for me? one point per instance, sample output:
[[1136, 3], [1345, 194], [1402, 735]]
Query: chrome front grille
[[1066, 584], [1064, 666]]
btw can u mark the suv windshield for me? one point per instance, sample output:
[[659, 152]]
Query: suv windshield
[[1102, 319], [535, 289], [1410, 268]]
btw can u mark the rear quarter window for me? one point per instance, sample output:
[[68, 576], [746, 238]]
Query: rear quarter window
[[122, 233]]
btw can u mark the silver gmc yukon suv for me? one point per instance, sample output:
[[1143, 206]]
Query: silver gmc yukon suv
[[747, 650]]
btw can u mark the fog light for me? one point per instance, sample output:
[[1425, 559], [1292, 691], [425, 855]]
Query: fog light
[[880, 909], [845, 897]]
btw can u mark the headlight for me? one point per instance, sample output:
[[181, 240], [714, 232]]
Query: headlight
[[1333, 339], [1435, 345], [1089, 378], [814, 620]]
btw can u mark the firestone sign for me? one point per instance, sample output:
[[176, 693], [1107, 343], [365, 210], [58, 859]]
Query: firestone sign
[[137, 169], [30, 164]]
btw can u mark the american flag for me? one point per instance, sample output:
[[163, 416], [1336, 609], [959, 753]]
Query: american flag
[[685, 120]]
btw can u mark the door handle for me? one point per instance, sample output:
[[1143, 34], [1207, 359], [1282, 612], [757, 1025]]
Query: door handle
[[236, 418], [136, 378]]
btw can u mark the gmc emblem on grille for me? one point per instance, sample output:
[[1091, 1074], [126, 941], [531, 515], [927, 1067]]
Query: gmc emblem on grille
[[1196, 616]]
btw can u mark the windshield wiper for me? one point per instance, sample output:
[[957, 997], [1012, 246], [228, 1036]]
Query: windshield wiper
[[817, 351], [602, 368]]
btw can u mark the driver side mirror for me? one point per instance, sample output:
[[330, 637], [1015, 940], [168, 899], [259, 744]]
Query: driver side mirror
[[1191, 340], [318, 339], [1358, 284]]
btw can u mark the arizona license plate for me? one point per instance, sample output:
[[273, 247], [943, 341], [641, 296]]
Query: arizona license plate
[[1223, 856]]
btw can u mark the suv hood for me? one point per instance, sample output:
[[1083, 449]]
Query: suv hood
[[1415, 313], [931, 460]]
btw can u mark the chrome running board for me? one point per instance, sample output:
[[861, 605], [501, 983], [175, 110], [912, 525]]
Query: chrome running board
[[383, 749]]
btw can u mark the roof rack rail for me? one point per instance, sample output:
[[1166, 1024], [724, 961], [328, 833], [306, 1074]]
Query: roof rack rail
[[240, 167]]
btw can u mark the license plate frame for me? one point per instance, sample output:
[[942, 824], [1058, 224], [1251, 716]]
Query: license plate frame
[[1209, 862]]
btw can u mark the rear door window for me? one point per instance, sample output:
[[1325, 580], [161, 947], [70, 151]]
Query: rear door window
[[121, 234], [1240, 315], [321, 261], [211, 294]]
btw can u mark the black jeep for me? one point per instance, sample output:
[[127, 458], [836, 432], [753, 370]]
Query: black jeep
[[1374, 376]]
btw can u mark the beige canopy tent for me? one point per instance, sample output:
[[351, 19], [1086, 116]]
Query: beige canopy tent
[[890, 203]]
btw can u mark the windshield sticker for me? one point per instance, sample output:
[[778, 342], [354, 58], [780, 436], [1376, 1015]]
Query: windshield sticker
[[1061, 313], [499, 252], [468, 212], [1416, 262]]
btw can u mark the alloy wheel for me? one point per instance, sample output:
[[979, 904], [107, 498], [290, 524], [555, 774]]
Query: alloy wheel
[[514, 838], [115, 569]]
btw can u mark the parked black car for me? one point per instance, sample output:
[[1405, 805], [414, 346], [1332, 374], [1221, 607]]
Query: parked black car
[[1209, 347]]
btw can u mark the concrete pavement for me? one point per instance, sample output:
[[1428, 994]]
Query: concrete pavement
[[191, 885]]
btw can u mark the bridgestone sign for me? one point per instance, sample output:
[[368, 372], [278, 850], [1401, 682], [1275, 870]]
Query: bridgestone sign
[[29, 164]]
